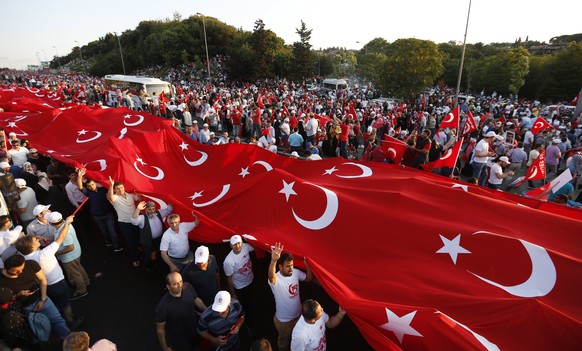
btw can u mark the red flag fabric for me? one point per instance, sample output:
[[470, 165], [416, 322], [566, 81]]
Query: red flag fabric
[[502, 120], [574, 101], [163, 98], [393, 149], [470, 124], [537, 170], [539, 125], [451, 120], [351, 115], [449, 159], [260, 101], [439, 277], [322, 120]]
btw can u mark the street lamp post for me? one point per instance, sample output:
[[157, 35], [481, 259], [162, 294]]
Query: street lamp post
[[81, 54], [58, 61], [120, 52], [206, 46]]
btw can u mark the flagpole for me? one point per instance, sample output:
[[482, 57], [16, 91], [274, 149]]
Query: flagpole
[[462, 58]]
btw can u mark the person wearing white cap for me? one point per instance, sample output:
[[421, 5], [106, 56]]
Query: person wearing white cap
[[496, 174], [4, 168], [482, 153], [285, 132], [176, 315], [26, 204], [553, 156], [69, 255], [285, 287], [8, 237], [309, 332], [174, 247], [205, 134], [40, 227], [57, 289], [203, 274], [238, 269], [220, 323]]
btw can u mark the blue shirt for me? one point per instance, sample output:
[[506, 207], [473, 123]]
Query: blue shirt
[[295, 139], [70, 239], [100, 206]]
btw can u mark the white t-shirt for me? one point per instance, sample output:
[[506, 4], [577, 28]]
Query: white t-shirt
[[239, 267], [7, 240], [286, 292], [309, 337], [493, 178], [124, 206], [176, 244], [48, 263], [482, 145], [19, 157], [28, 201]]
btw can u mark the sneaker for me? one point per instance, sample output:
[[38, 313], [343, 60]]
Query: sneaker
[[108, 244], [119, 249], [78, 296]]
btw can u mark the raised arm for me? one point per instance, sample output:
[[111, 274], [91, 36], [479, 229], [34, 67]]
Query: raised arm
[[275, 255]]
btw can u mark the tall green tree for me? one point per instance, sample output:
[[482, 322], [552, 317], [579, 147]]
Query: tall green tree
[[303, 62], [411, 66], [504, 73]]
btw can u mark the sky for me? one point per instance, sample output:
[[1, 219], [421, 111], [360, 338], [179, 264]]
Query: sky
[[36, 30]]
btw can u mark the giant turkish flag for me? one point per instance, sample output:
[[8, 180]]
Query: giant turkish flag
[[419, 262]]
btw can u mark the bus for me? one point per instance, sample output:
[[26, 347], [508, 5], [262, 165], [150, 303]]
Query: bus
[[334, 84], [134, 85]]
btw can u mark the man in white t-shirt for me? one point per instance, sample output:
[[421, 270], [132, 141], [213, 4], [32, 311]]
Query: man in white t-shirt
[[496, 174], [18, 154], [285, 287], [309, 332], [174, 247], [482, 154], [238, 269]]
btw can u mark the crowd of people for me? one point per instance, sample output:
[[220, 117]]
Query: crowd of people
[[41, 254]]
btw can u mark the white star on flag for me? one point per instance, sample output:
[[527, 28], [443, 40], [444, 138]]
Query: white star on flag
[[244, 172], [453, 247], [12, 124], [82, 132], [400, 325], [464, 187], [183, 146], [287, 190], [330, 171], [196, 195], [127, 116], [140, 161]]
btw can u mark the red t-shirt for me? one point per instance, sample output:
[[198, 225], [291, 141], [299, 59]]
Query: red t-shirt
[[345, 130]]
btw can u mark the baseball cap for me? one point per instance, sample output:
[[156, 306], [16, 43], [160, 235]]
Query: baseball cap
[[235, 239], [205, 125], [20, 183], [4, 165], [294, 154], [556, 141], [490, 134], [201, 255], [53, 217], [504, 159], [33, 150], [38, 209], [221, 301]]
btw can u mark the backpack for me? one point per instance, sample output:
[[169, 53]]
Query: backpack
[[40, 325]]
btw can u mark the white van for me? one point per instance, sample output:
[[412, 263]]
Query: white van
[[334, 84]]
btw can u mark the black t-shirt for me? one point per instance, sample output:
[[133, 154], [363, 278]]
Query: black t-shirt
[[179, 314], [203, 281], [25, 281]]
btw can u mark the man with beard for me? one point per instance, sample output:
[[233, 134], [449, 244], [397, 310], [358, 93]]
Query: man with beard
[[285, 287], [422, 148]]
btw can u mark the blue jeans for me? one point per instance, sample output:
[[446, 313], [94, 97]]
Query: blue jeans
[[57, 322], [480, 172], [106, 226], [131, 234]]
